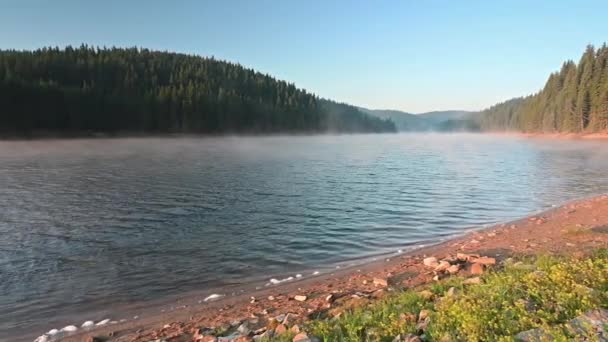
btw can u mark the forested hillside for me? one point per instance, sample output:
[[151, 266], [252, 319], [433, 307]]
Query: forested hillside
[[575, 99], [92, 90]]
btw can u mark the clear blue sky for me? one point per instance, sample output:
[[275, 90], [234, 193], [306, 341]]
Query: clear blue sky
[[410, 55]]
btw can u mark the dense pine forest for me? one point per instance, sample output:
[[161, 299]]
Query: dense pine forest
[[89, 90], [574, 100]]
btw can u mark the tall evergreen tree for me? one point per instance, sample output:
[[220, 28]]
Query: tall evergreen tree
[[112, 90]]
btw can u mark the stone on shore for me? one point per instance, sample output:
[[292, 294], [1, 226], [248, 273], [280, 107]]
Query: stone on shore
[[484, 261], [430, 262], [300, 298], [243, 329], [453, 269], [380, 282], [280, 329], [476, 269], [443, 265], [301, 337]]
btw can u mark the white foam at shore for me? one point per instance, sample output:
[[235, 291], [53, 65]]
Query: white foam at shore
[[42, 338], [69, 328], [212, 297], [274, 281], [103, 322], [87, 324]]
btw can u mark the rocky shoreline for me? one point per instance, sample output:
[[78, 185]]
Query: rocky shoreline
[[573, 229]]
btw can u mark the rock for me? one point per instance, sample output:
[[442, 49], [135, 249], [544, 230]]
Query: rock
[[423, 325], [301, 337], [42, 338], [378, 294], [267, 335], [270, 297], [594, 321], [426, 294], [484, 261], [535, 335], [443, 265], [52, 332], [476, 269], [295, 329], [235, 323], [466, 257], [472, 281], [423, 315], [380, 282], [280, 318], [243, 329], [288, 320], [451, 292], [280, 329], [300, 298], [330, 298], [430, 262], [453, 269]]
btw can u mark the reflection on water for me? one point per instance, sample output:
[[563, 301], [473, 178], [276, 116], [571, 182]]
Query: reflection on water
[[85, 222]]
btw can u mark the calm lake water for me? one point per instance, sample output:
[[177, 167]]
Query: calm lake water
[[89, 226]]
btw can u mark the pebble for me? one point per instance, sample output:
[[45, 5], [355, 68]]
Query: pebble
[[280, 329], [380, 282], [430, 262], [477, 268], [453, 269], [300, 298], [301, 337]]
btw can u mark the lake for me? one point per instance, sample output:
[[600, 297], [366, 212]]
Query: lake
[[91, 226]]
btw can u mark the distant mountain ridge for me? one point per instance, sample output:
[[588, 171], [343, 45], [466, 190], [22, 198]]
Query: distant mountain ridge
[[429, 121]]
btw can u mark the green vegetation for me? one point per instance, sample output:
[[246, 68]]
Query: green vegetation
[[542, 293], [574, 100], [89, 90]]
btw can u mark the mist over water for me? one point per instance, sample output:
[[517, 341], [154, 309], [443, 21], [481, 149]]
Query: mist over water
[[106, 222]]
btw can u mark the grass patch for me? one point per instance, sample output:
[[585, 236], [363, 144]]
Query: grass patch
[[545, 293]]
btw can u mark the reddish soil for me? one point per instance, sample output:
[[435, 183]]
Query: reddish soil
[[575, 228]]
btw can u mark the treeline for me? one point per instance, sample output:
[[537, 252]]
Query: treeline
[[575, 100], [112, 90]]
